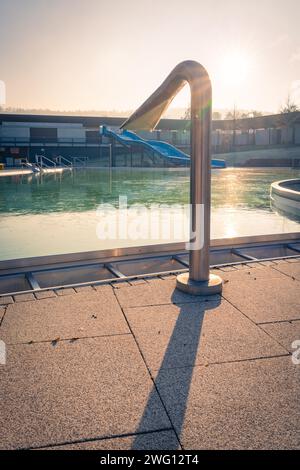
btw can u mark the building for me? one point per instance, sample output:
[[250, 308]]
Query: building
[[24, 136]]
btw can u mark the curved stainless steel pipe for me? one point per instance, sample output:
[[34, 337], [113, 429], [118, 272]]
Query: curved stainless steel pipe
[[146, 117]]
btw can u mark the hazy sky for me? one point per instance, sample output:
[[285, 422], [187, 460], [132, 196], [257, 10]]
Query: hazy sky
[[95, 54]]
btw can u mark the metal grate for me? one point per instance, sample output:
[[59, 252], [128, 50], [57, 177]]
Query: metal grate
[[54, 275]]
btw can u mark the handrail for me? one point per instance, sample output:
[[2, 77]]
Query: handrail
[[62, 159], [40, 161], [199, 281], [82, 160]]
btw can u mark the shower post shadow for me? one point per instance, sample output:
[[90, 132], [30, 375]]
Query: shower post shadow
[[171, 383], [199, 281]]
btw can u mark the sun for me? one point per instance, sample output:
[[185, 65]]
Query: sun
[[236, 66]]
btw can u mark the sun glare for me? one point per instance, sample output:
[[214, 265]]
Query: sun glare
[[235, 67]]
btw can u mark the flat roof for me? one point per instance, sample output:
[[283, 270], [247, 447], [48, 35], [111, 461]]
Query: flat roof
[[260, 122]]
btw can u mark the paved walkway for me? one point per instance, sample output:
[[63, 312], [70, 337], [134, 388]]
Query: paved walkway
[[140, 365]]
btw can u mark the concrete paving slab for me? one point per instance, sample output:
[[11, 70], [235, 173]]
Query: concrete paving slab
[[65, 291], [241, 266], [227, 269], [264, 299], [156, 292], [118, 285], [167, 277], [76, 316], [290, 269], [267, 263], [80, 390], [284, 332], [45, 294], [6, 300], [258, 271], [137, 282], [84, 289], [164, 440], [24, 297], [245, 405], [197, 333], [2, 312]]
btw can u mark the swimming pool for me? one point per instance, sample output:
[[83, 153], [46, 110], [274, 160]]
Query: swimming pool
[[57, 213]]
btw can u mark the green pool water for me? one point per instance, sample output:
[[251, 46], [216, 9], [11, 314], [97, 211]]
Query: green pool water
[[57, 213]]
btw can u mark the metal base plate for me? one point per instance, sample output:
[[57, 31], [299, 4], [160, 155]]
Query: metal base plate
[[210, 287]]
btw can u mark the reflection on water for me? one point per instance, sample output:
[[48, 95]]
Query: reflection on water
[[45, 214]]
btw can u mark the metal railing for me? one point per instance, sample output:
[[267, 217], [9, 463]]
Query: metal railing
[[80, 161], [223, 141], [43, 162], [63, 161], [198, 281], [25, 163]]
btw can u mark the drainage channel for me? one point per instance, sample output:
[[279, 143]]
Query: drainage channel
[[96, 273]]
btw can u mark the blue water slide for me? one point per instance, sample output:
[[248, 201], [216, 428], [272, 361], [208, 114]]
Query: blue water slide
[[163, 149]]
